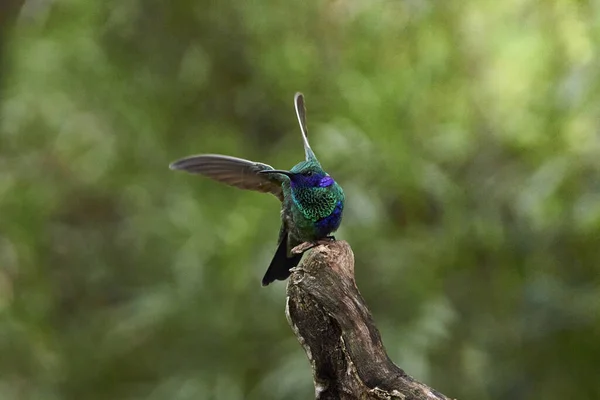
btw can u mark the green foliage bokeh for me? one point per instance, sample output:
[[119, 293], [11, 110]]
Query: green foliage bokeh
[[465, 134]]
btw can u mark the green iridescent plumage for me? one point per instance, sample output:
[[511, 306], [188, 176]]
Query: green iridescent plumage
[[312, 202]]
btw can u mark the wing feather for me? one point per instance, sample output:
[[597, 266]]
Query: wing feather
[[233, 171], [301, 114]]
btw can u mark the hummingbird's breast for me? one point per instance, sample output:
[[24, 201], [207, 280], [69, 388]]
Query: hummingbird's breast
[[330, 223], [315, 212]]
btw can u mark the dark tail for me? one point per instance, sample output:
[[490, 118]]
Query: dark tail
[[280, 265]]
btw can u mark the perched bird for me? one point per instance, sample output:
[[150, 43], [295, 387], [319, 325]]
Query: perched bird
[[312, 202]]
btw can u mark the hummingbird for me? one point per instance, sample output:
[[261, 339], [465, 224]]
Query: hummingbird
[[312, 202]]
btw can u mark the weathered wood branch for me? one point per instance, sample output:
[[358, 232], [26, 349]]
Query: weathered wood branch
[[336, 329]]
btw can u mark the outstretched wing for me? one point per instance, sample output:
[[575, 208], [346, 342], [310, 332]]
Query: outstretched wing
[[233, 171], [301, 114]]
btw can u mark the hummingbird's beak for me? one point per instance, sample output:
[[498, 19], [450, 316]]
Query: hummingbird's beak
[[277, 171]]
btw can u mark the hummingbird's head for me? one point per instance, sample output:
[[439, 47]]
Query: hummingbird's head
[[305, 174], [309, 174]]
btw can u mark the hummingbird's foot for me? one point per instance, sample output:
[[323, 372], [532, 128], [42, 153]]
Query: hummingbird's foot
[[325, 241], [302, 247]]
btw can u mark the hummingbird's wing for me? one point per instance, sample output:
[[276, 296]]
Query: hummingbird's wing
[[301, 114], [233, 171]]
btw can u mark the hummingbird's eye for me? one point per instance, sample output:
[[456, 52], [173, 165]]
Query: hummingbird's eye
[[308, 173]]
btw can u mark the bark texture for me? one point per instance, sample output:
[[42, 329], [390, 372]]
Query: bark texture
[[336, 329]]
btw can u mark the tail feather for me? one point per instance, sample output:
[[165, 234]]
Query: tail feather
[[280, 266]]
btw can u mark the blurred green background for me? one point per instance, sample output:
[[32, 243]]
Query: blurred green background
[[465, 134]]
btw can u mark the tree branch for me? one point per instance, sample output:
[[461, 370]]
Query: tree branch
[[336, 329]]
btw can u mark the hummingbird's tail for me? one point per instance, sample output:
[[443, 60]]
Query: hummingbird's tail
[[281, 264]]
